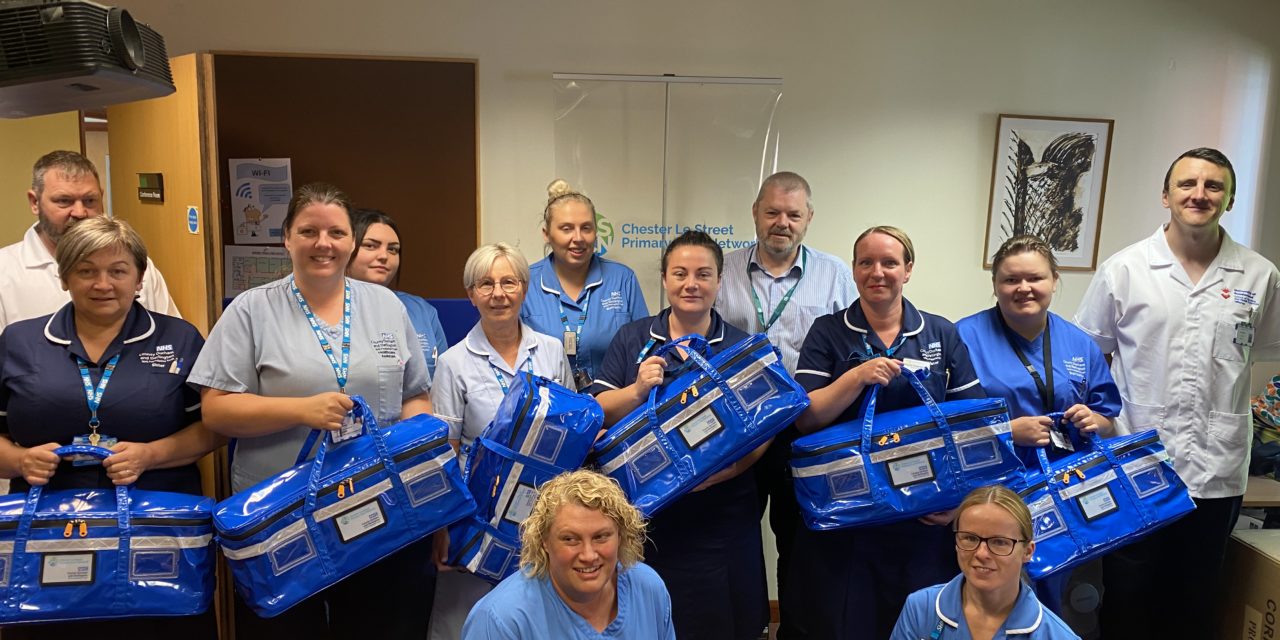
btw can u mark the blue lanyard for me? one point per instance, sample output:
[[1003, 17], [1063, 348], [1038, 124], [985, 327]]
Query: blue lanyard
[[782, 304], [582, 317], [888, 353], [339, 370], [502, 382], [645, 350], [94, 396]]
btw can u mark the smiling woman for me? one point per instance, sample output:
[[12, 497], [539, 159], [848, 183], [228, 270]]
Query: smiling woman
[[473, 377], [135, 364], [581, 572], [282, 362], [988, 599]]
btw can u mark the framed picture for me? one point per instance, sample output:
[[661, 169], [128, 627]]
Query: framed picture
[[1048, 178]]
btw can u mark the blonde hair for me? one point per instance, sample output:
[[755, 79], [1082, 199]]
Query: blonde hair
[[85, 237], [593, 491], [559, 192], [480, 263], [908, 250], [1004, 498]]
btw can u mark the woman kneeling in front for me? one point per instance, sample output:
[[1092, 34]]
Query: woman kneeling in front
[[989, 599], [581, 575]]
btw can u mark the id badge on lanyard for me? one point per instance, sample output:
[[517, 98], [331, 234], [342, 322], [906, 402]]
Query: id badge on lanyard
[[93, 396], [352, 425]]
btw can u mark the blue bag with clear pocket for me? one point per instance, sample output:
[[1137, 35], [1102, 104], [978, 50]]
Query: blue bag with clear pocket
[[1100, 498], [91, 554], [714, 414], [541, 430], [898, 465], [308, 527]]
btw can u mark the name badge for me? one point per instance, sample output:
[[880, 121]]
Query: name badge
[[351, 427], [911, 364], [94, 439], [1244, 334], [570, 343]]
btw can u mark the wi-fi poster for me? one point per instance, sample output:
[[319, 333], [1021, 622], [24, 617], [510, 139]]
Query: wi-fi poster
[[260, 192]]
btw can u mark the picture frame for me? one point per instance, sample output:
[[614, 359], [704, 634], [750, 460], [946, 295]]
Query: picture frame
[[1049, 178]]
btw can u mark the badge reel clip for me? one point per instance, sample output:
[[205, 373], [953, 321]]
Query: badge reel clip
[[92, 438]]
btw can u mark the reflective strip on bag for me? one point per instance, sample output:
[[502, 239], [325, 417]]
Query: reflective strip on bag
[[255, 550], [111, 544], [852, 462], [417, 471], [907, 450], [1092, 483]]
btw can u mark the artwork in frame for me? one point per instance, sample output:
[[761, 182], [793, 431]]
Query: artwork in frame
[[1048, 178]]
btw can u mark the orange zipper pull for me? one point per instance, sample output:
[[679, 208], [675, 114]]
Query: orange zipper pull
[[1080, 474], [66, 532], [342, 490], [694, 390], [84, 529], [897, 438]]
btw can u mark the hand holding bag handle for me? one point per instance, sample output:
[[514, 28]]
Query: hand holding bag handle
[[379, 437], [18, 578], [1096, 444], [915, 379], [695, 347]]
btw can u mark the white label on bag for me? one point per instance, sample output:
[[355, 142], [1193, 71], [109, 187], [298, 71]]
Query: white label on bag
[[910, 470], [1098, 502], [360, 520], [699, 428], [67, 568], [521, 504]]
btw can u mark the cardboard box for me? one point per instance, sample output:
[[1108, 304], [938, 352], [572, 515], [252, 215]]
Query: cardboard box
[[1251, 602]]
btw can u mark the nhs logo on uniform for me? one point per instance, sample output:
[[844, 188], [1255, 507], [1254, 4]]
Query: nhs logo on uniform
[[614, 301]]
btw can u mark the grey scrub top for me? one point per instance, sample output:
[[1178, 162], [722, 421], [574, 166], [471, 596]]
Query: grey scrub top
[[264, 345]]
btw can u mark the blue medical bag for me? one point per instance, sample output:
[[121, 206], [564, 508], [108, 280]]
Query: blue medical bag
[[704, 420], [304, 529], [88, 554], [898, 465], [1100, 498], [541, 430]]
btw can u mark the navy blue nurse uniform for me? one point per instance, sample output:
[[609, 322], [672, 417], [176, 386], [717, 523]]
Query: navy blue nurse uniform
[[42, 397], [851, 583], [706, 545], [42, 400]]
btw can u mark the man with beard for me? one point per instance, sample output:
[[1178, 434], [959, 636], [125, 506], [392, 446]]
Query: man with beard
[[778, 287], [64, 188]]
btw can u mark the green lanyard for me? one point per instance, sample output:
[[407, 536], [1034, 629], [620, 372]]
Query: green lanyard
[[782, 304]]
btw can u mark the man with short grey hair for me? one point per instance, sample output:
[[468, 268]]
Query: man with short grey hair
[[778, 287], [64, 187]]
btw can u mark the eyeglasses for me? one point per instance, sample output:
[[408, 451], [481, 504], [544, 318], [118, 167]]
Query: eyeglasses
[[998, 545], [486, 287]]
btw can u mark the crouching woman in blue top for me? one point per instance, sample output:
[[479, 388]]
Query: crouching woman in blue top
[[849, 584], [581, 575], [706, 544], [988, 600]]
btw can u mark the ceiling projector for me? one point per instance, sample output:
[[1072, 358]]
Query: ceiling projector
[[75, 55]]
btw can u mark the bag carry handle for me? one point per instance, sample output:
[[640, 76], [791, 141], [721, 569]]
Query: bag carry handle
[[695, 346], [19, 578], [916, 379], [1096, 444], [379, 437]]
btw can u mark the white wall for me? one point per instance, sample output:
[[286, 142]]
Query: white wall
[[889, 108]]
